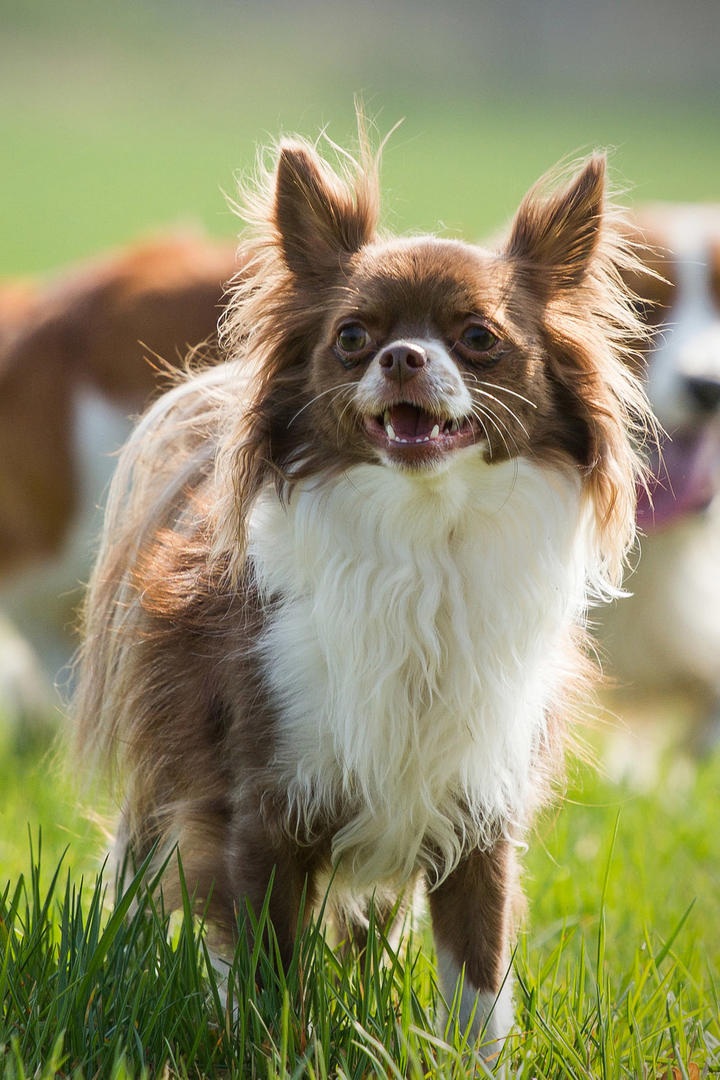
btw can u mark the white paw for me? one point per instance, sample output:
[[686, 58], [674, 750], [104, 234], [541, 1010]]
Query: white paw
[[485, 1016]]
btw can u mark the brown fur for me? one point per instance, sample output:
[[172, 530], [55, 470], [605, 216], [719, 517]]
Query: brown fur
[[170, 689], [480, 941]]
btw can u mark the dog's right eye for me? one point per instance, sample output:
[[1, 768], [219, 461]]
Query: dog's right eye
[[352, 340]]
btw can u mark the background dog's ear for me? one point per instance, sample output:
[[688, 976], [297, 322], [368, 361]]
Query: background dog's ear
[[557, 235], [321, 217]]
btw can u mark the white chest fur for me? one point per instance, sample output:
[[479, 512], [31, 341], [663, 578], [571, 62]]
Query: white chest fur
[[418, 639]]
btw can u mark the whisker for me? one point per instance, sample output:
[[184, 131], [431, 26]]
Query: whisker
[[487, 411], [481, 415], [506, 390], [345, 408], [479, 419], [339, 387], [516, 418], [478, 410]]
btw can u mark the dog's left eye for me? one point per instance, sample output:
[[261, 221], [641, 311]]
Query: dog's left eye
[[352, 339], [476, 340]]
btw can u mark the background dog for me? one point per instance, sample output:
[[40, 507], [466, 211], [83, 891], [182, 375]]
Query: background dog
[[78, 355], [664, 641]]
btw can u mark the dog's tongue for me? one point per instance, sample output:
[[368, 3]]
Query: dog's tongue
[[411, 422], [684, 479]]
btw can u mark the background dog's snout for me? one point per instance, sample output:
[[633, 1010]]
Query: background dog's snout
[[402, 360], [704, 392]]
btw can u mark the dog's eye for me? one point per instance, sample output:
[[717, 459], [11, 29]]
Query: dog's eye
[[476, 340], [352, 339]]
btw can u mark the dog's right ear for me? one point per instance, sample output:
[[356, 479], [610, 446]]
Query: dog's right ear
[[320, 217]]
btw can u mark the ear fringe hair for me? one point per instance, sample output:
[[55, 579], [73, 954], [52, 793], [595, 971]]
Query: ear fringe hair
[[598, 325], [268, 321], [631, 428]]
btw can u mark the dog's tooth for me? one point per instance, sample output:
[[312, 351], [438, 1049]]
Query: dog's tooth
[[389, 430], [435, 432]]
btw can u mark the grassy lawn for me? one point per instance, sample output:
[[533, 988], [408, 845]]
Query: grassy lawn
[[617, 968]]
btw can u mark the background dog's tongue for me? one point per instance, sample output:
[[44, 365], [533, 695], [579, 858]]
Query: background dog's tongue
[[409, 421], [683, 481]]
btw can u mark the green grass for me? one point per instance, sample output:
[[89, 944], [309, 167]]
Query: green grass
[[35, 790], [617, 971]]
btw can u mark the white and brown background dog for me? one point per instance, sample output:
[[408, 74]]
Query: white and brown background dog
[[337, 621], [662, 644]]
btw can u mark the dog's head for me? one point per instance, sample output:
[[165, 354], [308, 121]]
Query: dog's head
[[682, 304], [412, 353]]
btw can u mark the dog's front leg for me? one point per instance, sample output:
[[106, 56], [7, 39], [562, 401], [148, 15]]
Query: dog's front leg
[[471, 926], [256, 862]]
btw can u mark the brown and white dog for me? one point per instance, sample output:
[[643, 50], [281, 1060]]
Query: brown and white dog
[[338, 613], [665, 639], [73, 366]]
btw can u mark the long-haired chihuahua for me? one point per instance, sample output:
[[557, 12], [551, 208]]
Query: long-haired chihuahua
[[337, 622]]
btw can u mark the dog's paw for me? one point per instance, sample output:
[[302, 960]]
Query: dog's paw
[[485, 1016]]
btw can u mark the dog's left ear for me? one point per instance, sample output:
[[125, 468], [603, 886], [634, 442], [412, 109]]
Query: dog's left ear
[[320, 217], [555, 236]]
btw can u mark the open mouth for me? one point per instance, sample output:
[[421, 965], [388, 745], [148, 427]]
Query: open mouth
[[684, 478], [407, 429]]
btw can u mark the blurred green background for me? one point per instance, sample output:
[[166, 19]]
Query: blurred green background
[[117, 119]]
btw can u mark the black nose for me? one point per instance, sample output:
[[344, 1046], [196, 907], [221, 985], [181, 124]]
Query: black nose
[[704, 392], [402, 360]]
